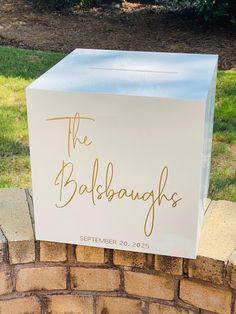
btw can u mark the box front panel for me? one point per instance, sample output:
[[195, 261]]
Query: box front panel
[[117, 172]]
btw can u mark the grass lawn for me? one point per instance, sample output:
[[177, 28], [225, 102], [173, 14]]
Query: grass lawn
[[19, 67]]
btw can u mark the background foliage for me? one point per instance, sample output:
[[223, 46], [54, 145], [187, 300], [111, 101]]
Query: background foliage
[[209, 9], [215, 9], [58, 4]]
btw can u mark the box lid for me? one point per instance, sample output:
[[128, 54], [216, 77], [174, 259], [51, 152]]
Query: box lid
[[150, 74]]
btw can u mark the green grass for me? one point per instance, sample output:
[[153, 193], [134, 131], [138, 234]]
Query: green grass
[[223, 165], [19, 67]]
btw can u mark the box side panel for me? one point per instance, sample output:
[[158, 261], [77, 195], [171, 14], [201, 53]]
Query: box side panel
[[208, 131], [31, 109], [207, 147], [127, 176]]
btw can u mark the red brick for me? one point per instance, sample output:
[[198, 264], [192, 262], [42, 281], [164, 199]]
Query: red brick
[[52, 252], [117, 305], [153, 286], [5, 282], [126, 258], [26, 305], [62, 304], [94, 279], [88, 254], [205, 296], [41, 278]]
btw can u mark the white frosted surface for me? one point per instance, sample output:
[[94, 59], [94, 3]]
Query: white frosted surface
[[150, 74]]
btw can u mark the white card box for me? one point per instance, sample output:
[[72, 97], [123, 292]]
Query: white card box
[[120, 146]]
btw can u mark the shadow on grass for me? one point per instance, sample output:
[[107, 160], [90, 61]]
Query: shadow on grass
[[223, 188], [225, 110], [12, 148], [222, 182], [13, 131], [15, 171], [226, 83], [25, 63]]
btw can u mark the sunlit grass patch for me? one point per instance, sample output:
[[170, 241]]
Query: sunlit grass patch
[[18, 68]]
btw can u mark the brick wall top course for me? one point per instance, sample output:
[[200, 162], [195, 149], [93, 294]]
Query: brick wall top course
[[66, 278]]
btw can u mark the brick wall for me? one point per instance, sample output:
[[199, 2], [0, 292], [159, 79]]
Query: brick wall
[[44, 277]]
